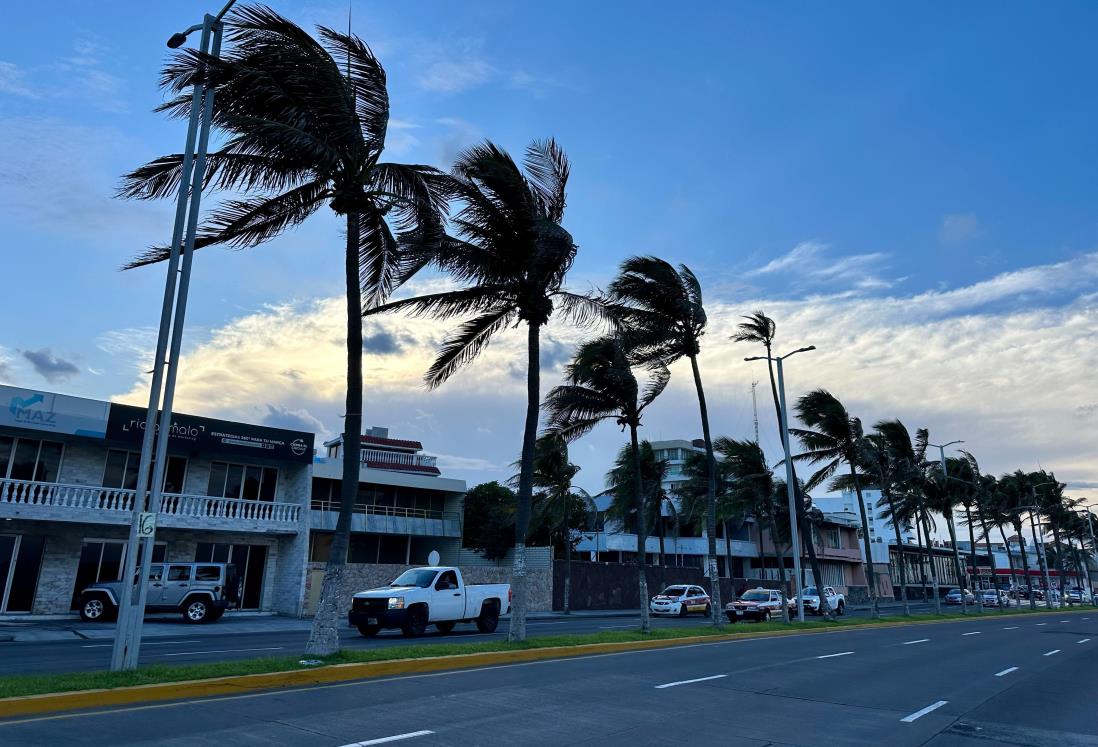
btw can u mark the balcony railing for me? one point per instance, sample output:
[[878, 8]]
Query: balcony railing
[[370, 508], [120, 502], [398, 458]]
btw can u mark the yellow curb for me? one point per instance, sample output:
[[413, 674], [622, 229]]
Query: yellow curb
[[332, 673]]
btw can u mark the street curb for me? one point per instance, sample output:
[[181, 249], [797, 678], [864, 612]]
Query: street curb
[[333, 673]]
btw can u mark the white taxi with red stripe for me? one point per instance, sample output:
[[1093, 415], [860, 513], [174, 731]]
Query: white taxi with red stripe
[[680, 599]]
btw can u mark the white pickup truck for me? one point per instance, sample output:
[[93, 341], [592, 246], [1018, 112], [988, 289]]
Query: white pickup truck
[[433, 595], [836, 602]]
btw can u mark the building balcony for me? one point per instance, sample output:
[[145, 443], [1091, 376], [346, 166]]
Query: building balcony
[[840, 553], [388, 519], [49, 501], [399, 461]]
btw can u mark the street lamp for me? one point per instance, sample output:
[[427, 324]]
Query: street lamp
[[794, 534], [131, 608], [962, 576]]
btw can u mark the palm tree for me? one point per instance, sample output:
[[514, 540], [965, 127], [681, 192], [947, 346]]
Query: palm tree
[[1015, 502], [994, 507], [942, 496], [693, 494], [761, 329], [619, 482], [305, 122], [600, 385], [984, 487], [512, 256], [663, 316], [1057, 508], [832, 437]]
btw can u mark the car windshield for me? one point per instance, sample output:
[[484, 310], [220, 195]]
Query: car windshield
[[811, 591], [420, 577], [953, 593], [756, 595], [674, 591]]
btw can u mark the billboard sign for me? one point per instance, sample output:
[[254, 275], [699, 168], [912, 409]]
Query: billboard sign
[[214, 437], [56, 413]]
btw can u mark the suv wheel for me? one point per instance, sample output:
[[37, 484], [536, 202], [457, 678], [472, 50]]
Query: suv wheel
[[841, 608], [197, 611], [95, 609]]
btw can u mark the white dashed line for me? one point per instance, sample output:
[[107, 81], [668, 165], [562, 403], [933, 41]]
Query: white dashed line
[[394, 738], [1005, 672], [1039, 624], [690, 682], [1083, 641], [1012, 627], [975, 632], [922, 712], [143, 643], [831, 656], [224, 651], [1053, 651], [921, 640], [1065, 621]]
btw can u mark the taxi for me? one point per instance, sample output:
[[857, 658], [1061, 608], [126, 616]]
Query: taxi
[[680, 600]]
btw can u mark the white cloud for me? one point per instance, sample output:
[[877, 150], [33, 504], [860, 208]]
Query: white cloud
[[958, 228], [13, 80], [79, 75], [454, 76], [810, 264]]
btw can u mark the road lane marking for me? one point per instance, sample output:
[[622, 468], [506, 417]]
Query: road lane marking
[[1053, 651], [831, 656], [394, 738], [151, 643], [1005, 672], [1064, 621], [1039, 624], [1012, 627], [921, 640], [224, 651], [975, 632], [690, 682], [923, 711], [1083, 641]]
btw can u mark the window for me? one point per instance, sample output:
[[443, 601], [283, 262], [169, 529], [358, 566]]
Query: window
[[207, 573], [30, 459], [156, 572], [242, 481], [447, 580], [179, 573], [122, 466]]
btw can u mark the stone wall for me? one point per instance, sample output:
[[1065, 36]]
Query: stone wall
[[363, 576]]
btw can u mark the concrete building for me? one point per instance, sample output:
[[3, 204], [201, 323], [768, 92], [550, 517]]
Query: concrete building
[[880, 530], [68, 471]]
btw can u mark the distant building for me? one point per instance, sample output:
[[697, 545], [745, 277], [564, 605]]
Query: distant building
[[880, 529]]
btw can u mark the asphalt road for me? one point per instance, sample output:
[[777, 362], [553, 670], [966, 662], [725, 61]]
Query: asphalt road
[[974, 683], [218, 642]]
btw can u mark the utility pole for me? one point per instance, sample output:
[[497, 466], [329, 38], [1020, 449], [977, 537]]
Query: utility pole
[[154, 443], [755, 409]]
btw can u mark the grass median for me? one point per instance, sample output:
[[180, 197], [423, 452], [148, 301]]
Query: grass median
[[24, 685]]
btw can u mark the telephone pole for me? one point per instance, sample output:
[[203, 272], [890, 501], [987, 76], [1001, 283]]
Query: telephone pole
[[755, 409]]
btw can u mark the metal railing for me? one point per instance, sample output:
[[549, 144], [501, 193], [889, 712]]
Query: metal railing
[[120, 501], [370, 508], [398, 458]]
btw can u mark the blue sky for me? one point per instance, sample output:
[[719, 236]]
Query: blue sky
[[912, 186]]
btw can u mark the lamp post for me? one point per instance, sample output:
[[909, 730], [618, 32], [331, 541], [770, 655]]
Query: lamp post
[[794, 533], [146, 503], [962, 576]]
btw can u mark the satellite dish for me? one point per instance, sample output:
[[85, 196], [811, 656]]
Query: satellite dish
[[433, 558]]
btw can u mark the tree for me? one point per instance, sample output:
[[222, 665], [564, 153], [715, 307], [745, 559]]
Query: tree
[[984, 487], [489, 520], [832, 437], [511, 255], [761, 329], [664, 320], [600, 385], [943, 495], [305, 122], [619, 482], [1014, 501]]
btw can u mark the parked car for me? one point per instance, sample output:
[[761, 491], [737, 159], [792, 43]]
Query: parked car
[[680, 600], [435, 595], [994, 598], [1078, 595], [755, 604], [835, 601], [953, 596], [201, 592]]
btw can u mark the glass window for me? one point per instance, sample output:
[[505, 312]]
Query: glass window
[[115, 471], [179, 573], [446, 580], [234, 479], [24, 578], [217, 479], [26, 456], [156, 572], [363, 548], [49, 462], [244, 481], [321, 548], [207, 573], [6, 443], [175, 474], [270, 482], [252, 477]]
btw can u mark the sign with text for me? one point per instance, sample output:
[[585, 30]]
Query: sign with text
[[214, 437], [58, 413], [146, 524]]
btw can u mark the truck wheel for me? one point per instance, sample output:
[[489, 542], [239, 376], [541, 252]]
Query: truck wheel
[[415, 624], [488, 620], [197, 611], [445, 627], [369, 631], [95, 608], [840, 609]]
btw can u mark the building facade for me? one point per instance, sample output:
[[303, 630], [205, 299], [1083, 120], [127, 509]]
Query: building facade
[[232, 492], [880, 529]]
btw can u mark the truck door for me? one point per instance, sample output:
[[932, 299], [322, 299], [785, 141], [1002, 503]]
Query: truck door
[[448, 601]]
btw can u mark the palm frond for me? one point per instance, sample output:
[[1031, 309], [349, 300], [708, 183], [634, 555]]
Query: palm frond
[[547, 169], [466, 344]]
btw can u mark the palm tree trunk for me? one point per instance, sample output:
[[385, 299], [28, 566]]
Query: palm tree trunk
[[933, 566], [900, 547], [517, 630], [1059, 555], [922, 565], [961, 577], [660, 532], [870, 575], [798, 502], [781, 573], [324, 635], [710, 496], [1010, 561], [642, 533], [728, 557], [990, 555], [972, 554], [1025, 562], [1042, 562], [567, 607]]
